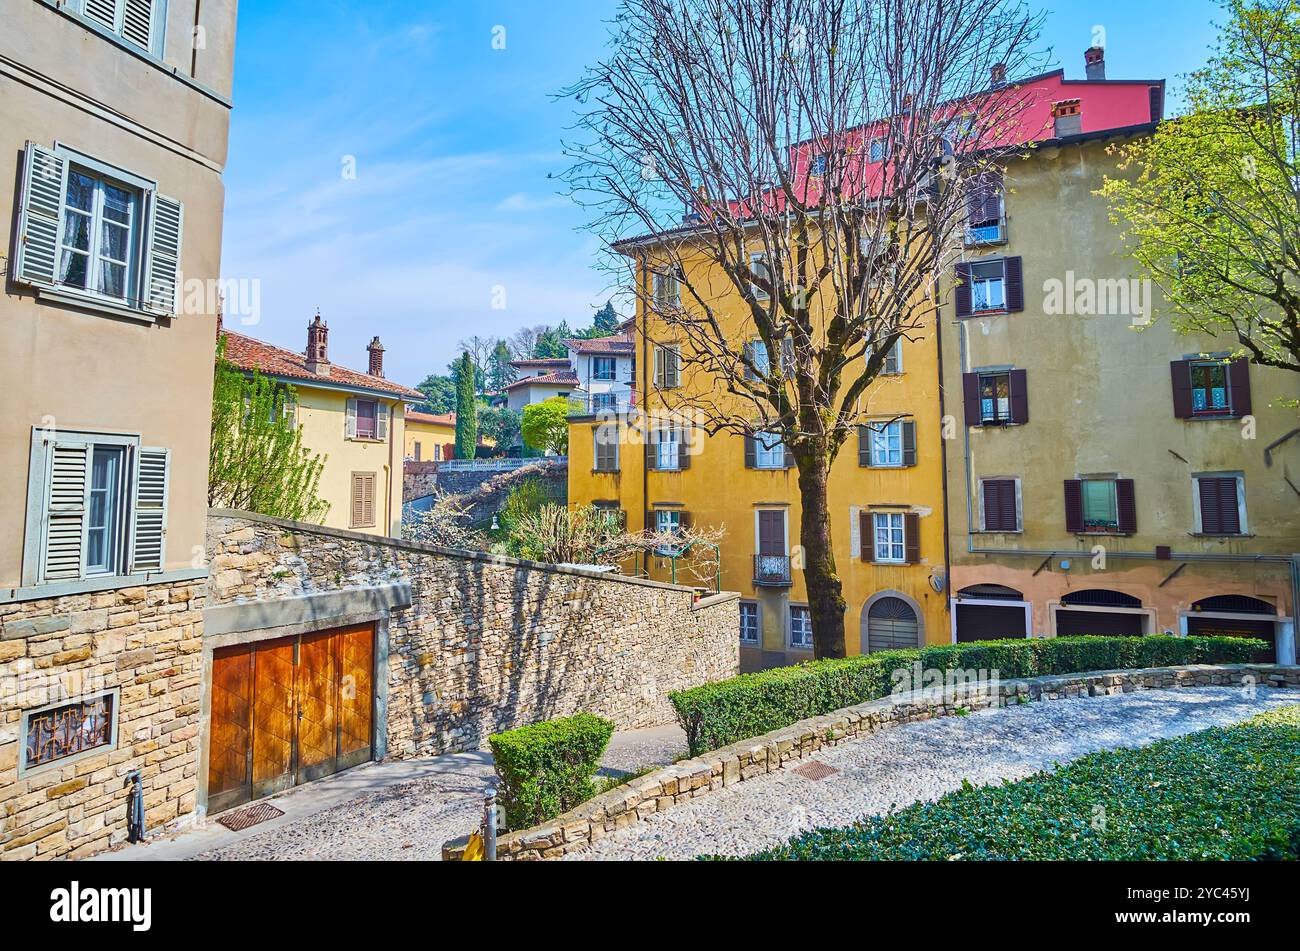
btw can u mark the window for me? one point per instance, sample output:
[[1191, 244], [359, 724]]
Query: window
[[96, 506], [894, 359], [885, 445], [667, 290], [1100, 504], [801, 635], [769, 451], [995, 398], [66, 730], [97, 233], [612, 511], [138, 21], [602, 368], [1220, 504], [890, 543], [669, 450], [667, 521], [878, 149], [667, 370], [363, 500], [988, 287], [367, 419], [1100, 511], [1210, 387], [759, 267], [749, 622], [817, 168], [756, 350], [417, 450], [1214, 388], [605, 453], [1000, 508], [604, 402]]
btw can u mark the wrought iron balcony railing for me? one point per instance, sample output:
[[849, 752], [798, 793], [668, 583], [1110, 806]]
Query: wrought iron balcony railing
[[772, 570]]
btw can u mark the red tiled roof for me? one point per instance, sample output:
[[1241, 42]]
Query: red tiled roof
[[565, 378], [540, 362], [619, 343], [250, 354], [433, 419]]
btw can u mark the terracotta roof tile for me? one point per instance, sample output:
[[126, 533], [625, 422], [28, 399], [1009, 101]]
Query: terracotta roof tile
[[432, 419], [565, 378], [250, 354], [619, 343]]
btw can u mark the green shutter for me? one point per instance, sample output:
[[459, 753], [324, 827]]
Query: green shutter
[[166, 222], [44, 184], [381, 421], [149, 524], [137, 23], [64, 530]]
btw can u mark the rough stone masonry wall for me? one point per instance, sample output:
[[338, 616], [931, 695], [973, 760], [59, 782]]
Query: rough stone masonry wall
[[146, 641], [491, 643]]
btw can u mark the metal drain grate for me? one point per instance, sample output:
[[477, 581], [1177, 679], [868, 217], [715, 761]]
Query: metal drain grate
[[243, 818], [815, 770]]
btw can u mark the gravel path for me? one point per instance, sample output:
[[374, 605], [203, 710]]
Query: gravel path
[[922, 761], [410, 820]]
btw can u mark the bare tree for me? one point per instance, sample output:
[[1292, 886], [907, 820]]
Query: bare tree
[[523, 341], [824, 153]]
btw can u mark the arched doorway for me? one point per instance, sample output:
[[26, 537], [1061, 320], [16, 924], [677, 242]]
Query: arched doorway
[[988, 612], [1116, 614], [890, 621], [1236, 615]]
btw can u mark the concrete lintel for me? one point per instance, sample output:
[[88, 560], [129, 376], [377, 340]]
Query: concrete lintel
[[305, 609]]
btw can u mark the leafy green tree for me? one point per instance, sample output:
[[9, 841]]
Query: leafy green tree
[[466, 408], [440, 394], [256, 461], [606, 320], [499, 372], [500, 424], [546, 425], [454, 370], [550, 344], [1210, 204]]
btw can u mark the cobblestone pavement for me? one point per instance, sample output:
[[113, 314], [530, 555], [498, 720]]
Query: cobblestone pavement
[[412, 818], [922, 761]]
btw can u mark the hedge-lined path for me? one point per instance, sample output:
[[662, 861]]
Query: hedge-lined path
[[922, 761], [395, 810]]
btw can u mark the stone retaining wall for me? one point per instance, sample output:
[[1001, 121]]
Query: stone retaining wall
[[482, 643], [759, 756]]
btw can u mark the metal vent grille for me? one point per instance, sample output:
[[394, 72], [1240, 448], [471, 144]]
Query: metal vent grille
[[251, 816], [815, 770]]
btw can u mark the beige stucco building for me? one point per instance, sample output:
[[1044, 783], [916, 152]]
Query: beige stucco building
[[1106, 474], [113, 129], [353, 420]]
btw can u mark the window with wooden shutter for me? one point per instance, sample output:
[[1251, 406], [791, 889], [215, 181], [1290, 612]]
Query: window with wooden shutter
[[63, 539], [40, 210], [962, 290], [383, 414], [1126, 506], [167, 219], [912, 537], [1239, 387], [139, 21], [909, 442], [149, 528], [667, 368], [606, 438], [1180, 374], [363, 500], [866, 536], [1074, 506], [999, 501], [1017, 384], [1219, 500], [1015, 284]]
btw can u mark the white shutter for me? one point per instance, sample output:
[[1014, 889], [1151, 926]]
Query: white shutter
[[149, 523], [166, 221], [44, 184], [137, 23], [350, 422], [103, 12], [381, 421], [65, 512]]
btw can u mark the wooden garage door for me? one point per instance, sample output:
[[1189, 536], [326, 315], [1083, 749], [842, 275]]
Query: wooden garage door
[[1264, 629], [289, 711]]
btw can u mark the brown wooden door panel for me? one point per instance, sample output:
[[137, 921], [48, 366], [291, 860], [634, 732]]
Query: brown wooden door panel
[[273, 716], [318, 687], [356, 691], [232, 696]]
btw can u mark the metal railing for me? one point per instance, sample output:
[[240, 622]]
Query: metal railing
[[772, 570], [496, 464], [596, 404]]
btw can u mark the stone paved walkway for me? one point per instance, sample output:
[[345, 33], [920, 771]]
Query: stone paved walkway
[[922, 761]]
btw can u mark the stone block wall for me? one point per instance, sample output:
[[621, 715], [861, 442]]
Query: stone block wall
[[145, 642], [418, 479], [490, 643]]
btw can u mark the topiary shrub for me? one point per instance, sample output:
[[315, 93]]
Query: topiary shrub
[[546, 769], [750, 705]]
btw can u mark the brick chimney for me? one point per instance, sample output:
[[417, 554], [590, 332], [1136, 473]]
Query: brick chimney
[[1067, 117], [376, 351], [998, 75], [318, 335], [1094, 61]]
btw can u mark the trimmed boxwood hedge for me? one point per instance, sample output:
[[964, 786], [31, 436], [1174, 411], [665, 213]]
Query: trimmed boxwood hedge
[[750, 705], [1229, 793], [546, 769]]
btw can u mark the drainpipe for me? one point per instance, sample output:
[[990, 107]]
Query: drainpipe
[[645, 409], [943, 457]]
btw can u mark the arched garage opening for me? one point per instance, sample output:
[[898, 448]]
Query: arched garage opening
[[890, 621], [1236, 615], [1102, 613], [989, 612]]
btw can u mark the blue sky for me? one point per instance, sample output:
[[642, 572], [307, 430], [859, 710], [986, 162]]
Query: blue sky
[[452, 143]]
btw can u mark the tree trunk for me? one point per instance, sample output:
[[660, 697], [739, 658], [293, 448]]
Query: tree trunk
[[825, 591]]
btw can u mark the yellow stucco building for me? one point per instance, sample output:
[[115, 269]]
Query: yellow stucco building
[[430, 437], [888, 490], [355, 420]]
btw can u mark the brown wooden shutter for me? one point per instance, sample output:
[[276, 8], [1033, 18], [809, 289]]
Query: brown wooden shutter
[[652, 450], [1126, 505], [970, 395], [912, 537], [771, 532], [1219, 512], [683, 451], [1000, 505], [962, 290], [1017, 384], [1015, 285], [1239, 386], [867, 531], [751, 453], [1180, 373], [864, 447], [1074, 505], [909, 442]]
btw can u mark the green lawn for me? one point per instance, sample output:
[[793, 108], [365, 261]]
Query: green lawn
[[1223, 793]]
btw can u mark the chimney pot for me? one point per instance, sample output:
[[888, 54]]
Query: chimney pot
[[1067, 117], [318, 333], [1094, 61], [376, 351]]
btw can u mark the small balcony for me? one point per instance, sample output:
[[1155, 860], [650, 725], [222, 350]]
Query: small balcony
[[601, 404], [772, 571], [989, 232]]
